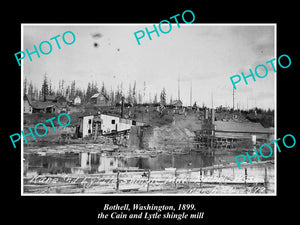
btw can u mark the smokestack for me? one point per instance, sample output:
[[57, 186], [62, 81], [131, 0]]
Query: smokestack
[[122, 107]]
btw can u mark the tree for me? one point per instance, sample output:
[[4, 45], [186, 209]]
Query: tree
[[155, 99], [118, 95], [30, 91], [36, 95], [121, 89], [129, 97], [140, 98], [144, 91], [45, 88], [163, 97], [61, 88], [134, 99], [88, 93], [68, 91], [103, 89], [112, 96], [25, 86], [195, 105], [51, 92], [150, 99], [94, 88], [73, 90], [171, 100]]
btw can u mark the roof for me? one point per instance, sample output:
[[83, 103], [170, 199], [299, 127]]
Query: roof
[[25, 97], [55, 98], [60, 97], [241, 127], [50, 97], [47, 104], [99, 93], [42, 105], [176, 103]]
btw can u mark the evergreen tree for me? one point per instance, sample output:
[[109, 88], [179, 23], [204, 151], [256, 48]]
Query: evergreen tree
[[88, 93], [163, 97], [51, 92], [30, 91], [195, 105], [68, 91], [155, 99], [144, 91], [134, 99], [36, 95], [118, 95], [171, 100], [94, 88], [112, 96], [104, 91], [45, 88], [25, 86], [129, 97], [73, 90], [121, 89], [140, 98]]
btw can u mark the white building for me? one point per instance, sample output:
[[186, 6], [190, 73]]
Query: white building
[[86, 125], [113, 123], [108, 124], [27, 104], [77, 100]]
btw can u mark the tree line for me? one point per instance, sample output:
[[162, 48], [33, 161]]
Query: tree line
[[71, 91]]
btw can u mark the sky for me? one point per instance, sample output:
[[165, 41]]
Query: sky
[[201, 56]]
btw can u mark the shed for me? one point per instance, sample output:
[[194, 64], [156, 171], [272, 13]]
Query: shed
[[27, 104], [100, 99], [242, 130], [56, 99], [77, 100], [176, 103]]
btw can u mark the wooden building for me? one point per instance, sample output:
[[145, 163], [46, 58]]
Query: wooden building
[[27, 104], [100, 99], [56, 99], [104, 124], [77, 100], [176, 103], [232, 134]]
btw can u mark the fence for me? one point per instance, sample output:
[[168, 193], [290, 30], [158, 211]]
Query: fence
[[257, 179]]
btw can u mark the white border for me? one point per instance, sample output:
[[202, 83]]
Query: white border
[[132, 24]]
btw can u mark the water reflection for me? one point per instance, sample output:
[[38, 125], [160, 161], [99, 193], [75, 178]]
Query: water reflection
[[83, 163]]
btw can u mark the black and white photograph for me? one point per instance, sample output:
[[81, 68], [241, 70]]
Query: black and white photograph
[[150, 115], [145, 109]]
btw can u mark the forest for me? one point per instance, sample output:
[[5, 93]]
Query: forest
[[132, 95], [70, 91]]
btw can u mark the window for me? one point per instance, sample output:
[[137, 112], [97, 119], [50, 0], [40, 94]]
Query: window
[[90, 121], [113, 122]]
